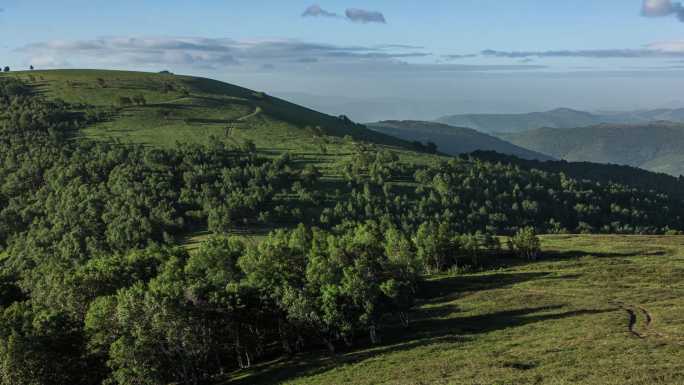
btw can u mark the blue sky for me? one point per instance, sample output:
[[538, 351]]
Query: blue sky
[[509, 55]]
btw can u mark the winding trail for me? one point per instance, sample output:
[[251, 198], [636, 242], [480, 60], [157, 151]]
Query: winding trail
[[633, 323], [645, 329], [640, 322], [256, 112]]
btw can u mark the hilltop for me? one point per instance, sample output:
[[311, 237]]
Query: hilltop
[[452, 140], [186, 109]]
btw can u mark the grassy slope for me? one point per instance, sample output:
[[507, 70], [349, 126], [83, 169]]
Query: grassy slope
[[654, 146], [189, 109], [452, 140], [602, 309], [184, 109]]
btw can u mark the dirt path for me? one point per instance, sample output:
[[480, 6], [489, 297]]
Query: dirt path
[[645, 329], [633, 323], [256, 112], [640, 323]]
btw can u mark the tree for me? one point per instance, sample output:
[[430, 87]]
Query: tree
[[6, 69], [139, 99], [436, 246], [525, 243], [31, 68], [124, 101]]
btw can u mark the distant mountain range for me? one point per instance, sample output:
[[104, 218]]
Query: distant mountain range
[[452, 140], [655, 146], [558, 118]]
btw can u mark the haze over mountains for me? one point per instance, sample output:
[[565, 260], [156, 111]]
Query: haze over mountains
[[557, 118], [452, 140], [653, 146], [418, 107]]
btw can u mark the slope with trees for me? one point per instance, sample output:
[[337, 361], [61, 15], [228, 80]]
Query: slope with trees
[[452, 140], [653, 146]]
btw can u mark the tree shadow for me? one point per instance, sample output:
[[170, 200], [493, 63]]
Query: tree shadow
[[575, 254], [422, 333], [452, 288], [436, 325]]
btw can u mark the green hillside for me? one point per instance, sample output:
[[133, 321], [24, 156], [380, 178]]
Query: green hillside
[[189, 109], [654, 146], [604, 173], [161, 230], [509, 123], [452, 140]]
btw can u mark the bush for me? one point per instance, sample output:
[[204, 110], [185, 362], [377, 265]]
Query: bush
[[124, 101], [525, 244]]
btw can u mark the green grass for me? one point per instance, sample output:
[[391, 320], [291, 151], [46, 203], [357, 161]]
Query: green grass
[[185, 109], [598, 310]]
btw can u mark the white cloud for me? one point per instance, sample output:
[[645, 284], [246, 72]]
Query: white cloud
[[208, 52], [672, 47], [661, 8]]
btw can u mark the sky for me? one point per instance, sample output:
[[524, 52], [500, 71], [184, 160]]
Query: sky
[[375, 59]]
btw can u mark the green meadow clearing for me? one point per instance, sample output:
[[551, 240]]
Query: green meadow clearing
[[596, 310]]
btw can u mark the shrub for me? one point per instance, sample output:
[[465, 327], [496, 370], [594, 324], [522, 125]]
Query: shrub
[[525, 244]]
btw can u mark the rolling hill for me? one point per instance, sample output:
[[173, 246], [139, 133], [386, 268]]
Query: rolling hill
[[559, 118], [644, 116], [508, 123], [452, 140], [187, 108], [654, 146]]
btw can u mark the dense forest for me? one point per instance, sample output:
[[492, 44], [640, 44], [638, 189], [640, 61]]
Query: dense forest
[[94, 287]]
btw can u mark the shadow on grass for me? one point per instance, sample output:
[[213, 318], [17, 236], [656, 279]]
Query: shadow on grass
[[438, 325], [575, 254], [451, 288]]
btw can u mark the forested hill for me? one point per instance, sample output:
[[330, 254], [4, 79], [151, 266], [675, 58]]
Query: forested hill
[[599, 172], [104, 175], [452, 140], [652, 146]]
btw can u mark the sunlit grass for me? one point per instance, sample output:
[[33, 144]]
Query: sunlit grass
[[598, 310]]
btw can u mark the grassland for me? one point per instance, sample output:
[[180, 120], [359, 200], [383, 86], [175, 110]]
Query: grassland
[[179, 110], [596, 310], [184, 109]]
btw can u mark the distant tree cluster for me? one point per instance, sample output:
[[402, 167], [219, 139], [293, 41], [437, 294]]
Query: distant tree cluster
[[126, 101]]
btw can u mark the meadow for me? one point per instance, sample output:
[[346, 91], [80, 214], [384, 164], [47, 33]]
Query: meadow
[[597, 310]]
